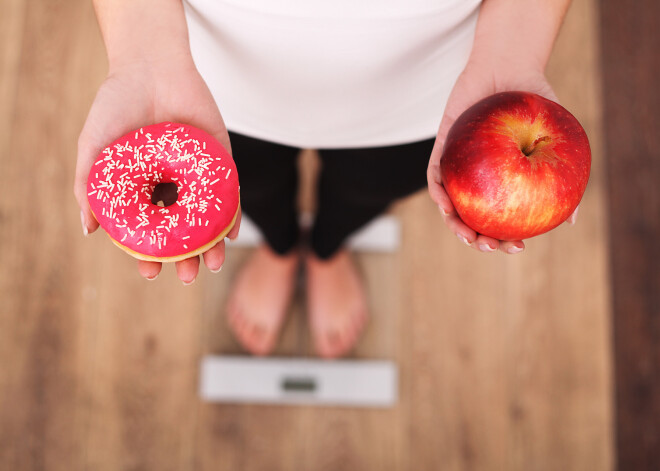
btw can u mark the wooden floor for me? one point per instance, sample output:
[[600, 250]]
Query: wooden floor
[[505, 362], [631, 67]]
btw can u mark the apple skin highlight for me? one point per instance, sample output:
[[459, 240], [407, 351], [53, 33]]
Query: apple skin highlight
[[515, 165]]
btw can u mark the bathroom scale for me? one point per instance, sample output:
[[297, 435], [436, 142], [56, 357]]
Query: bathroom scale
[[383, 234], [257, 380], [290, 381]]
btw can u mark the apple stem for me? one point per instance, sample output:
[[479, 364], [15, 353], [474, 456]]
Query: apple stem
[[530, 148]]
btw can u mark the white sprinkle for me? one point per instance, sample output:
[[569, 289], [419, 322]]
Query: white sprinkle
[[228, 172]]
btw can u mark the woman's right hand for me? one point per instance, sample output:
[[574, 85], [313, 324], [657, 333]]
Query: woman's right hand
[[138, 94]]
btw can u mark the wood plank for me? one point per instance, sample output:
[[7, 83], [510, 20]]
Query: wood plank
[[142, 399], [12, 25], [43, 327], [631, 66]]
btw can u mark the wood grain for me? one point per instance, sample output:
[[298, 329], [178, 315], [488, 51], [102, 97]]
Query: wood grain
[[631, 100], [504, 361], [44, 334]]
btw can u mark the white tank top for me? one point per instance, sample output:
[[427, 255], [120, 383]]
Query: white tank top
[[332, 73]]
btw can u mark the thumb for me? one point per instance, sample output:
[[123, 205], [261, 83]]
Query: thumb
[[433, 174], [86, 156]]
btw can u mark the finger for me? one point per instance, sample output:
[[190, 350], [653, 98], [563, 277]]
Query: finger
[[448, 120], [149, 270], [441, 198], [434, 177], [86, 156], [93, 138], [486, 244], [187, 270], [512, 246], [434, 160], [215, 257], [572, 219], [464, 233], [233, 233]]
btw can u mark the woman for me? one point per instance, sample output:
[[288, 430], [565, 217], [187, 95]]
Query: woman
[[364, 82]]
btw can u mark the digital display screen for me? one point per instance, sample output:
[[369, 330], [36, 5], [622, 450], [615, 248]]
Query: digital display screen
[[298, 384]]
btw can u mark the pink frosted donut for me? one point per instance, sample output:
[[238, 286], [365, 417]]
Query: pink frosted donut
[[164, 192]]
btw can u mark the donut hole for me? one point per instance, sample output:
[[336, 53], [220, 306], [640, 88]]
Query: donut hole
[[165, 194]]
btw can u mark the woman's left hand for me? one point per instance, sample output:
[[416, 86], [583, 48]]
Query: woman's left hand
[[476, 82]]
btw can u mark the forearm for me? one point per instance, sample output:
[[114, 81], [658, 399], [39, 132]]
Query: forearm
[[518, 33], [142, 30]]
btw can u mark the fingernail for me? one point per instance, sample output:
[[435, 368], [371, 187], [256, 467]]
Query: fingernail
[[514, 249], [188, 283], [442, 210], [153, 277], [573, 218], [216, 270], [486, 248], [463, 239], [84, 226]]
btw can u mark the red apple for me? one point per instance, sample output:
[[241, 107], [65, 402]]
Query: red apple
[[515, 165]]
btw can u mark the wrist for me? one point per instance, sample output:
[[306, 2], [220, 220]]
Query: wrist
[[503, 61], [150, 63], [517, 34], [143, 32]]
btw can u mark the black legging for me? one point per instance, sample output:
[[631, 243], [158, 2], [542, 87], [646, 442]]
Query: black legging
[[355, 186]]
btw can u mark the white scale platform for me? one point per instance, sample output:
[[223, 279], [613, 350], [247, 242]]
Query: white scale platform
[[240, 379], [354, 383]]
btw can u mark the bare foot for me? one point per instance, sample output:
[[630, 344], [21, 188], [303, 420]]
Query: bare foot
[[336, 303], [260, 298]]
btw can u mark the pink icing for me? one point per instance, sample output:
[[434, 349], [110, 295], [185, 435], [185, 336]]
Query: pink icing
[[123, 178]]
